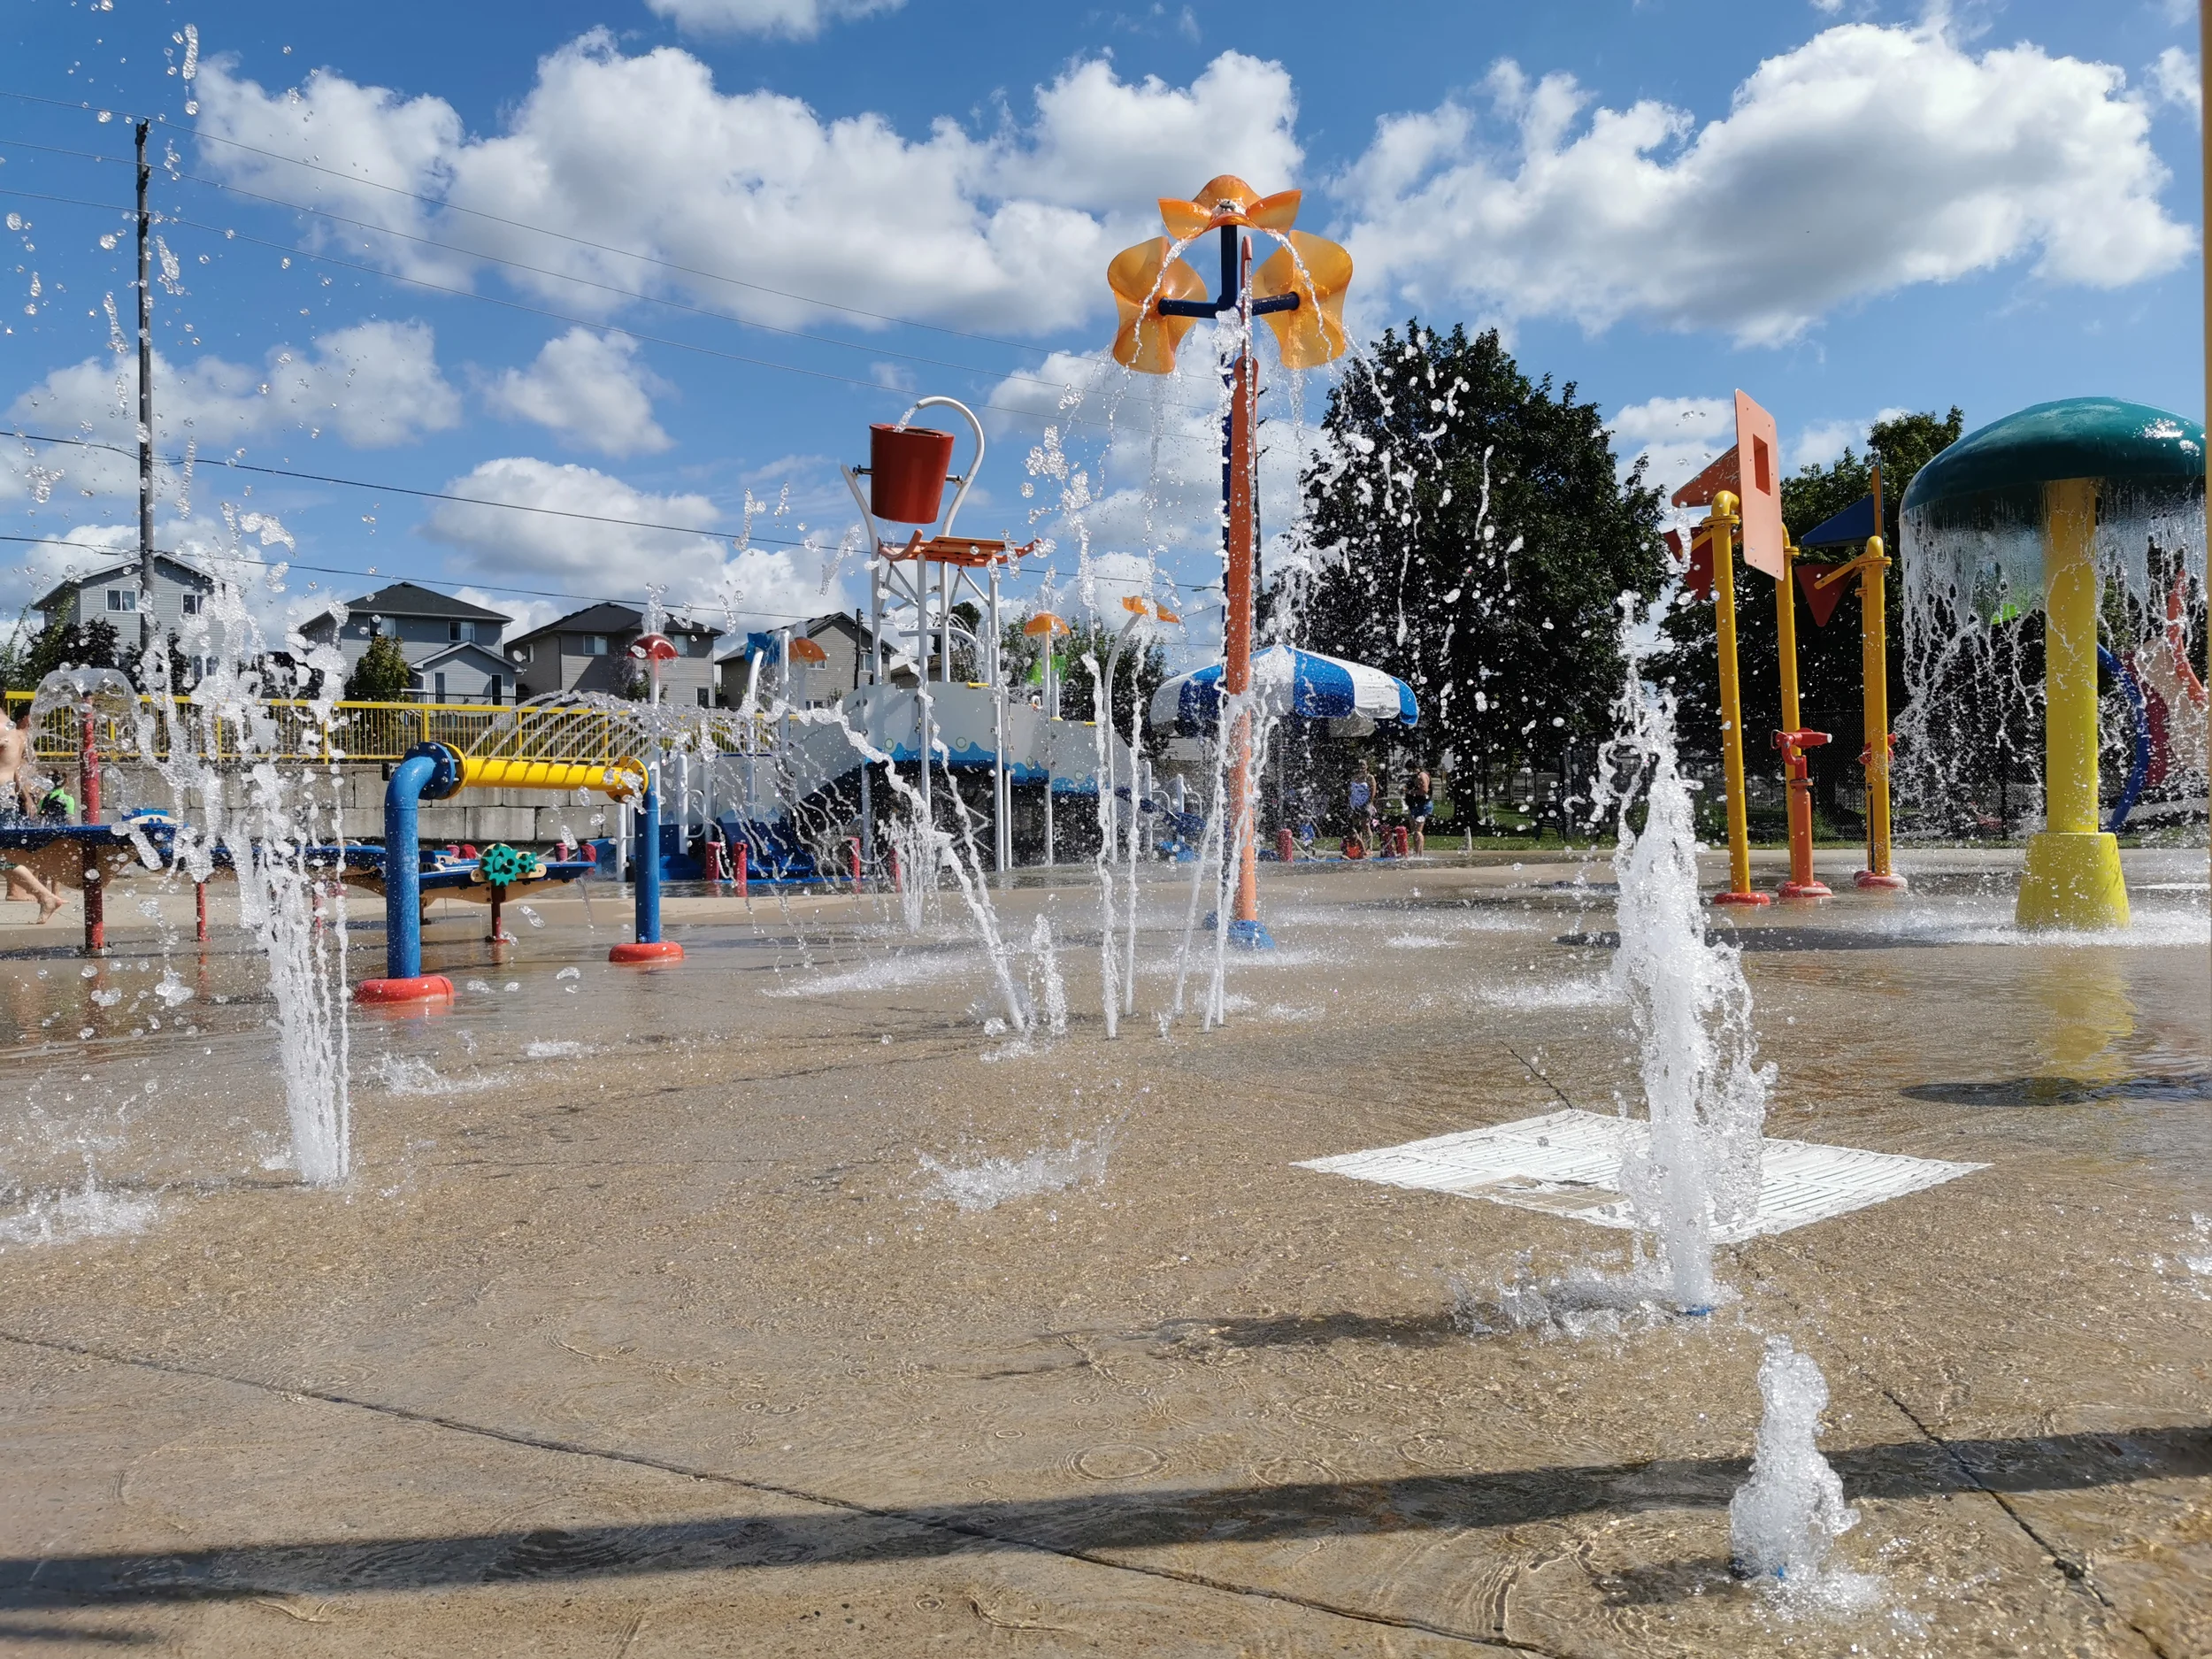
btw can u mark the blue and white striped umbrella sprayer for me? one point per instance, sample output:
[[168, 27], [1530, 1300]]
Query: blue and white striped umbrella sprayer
[[1303, 683]]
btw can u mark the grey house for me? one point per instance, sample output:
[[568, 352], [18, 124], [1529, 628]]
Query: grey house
[[451, 646], [589, 650], [845, 643], [109, 592]]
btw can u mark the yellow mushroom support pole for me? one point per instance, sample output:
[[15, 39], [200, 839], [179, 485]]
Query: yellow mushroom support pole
[[1722, 524], [1874, 667], [2072, 879]]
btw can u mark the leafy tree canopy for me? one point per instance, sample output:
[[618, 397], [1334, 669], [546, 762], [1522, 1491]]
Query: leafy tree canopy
[[1144, 665], [1472, 533], [382, 674]]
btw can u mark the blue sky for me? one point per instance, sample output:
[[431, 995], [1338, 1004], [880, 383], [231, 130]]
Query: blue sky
[[1843, 208]]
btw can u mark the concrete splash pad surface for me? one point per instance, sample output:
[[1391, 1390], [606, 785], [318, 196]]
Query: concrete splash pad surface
[[644, 1329]]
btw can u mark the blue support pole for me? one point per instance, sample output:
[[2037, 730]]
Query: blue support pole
[[403, 868], [649, 860], [435, 771]]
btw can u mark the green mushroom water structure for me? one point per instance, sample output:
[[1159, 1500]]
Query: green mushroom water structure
[[2043, 507]]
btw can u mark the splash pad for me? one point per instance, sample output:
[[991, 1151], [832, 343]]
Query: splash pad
[[870, 1279]]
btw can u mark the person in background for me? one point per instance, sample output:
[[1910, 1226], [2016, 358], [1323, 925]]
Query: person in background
[[1419, 805], [16, 807], [1363, 805]]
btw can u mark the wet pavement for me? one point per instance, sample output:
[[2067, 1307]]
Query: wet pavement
[[776, 1302]]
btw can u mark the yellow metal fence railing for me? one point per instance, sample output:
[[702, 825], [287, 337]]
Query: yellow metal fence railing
[[374, 731]]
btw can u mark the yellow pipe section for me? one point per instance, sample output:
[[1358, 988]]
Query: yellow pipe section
[[618, 779], [2072, 879], [1722, 522]]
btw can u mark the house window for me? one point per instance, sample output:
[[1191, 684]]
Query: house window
[[194, 603], [706, 696], [455, 632], [497, 681], [437, 682], [122, 599], [594, 645]]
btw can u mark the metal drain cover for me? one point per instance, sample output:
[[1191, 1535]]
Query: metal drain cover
[[1569, 1163]]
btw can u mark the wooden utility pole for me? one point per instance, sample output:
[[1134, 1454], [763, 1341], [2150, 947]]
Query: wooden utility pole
[[147, 632]]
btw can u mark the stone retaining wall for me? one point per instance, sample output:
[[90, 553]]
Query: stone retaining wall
[[521, 818]]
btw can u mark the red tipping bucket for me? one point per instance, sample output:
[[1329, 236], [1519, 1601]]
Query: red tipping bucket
[[906, 472]]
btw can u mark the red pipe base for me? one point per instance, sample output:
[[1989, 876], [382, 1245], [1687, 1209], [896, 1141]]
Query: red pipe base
[[1743, 898], [642, 951], [1881, 884], [1806, 890], [428, 988]]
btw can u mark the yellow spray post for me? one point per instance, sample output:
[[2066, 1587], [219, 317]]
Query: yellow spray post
[[2073, 878], [2100, 478], [1870, 568], [1742, 490], [1874, 666], [1721, 525]]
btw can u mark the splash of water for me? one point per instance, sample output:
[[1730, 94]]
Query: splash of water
[[1704, 1092], [1784, 1521], [988, 1182], [279, 823], [1052, 1006]]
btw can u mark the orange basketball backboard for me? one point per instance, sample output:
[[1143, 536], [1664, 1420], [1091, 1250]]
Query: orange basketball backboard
[[1759, 487]]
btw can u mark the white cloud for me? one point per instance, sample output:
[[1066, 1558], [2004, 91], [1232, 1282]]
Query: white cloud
[[1009, 231], [793, 20], [1130, 470], [1866, 160], [589, 389], [1675, 437], [1112, 145], [591, 558], [373, 384], [2175, 79]]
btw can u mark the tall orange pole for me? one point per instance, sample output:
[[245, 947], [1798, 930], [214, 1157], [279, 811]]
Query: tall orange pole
[[1236, 633]]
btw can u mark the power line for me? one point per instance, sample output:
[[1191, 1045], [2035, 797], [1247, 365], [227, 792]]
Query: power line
[[600, 247], [488, 586], [541, 230], [401, 489], [869, 347], [290, 252], [340, 570]]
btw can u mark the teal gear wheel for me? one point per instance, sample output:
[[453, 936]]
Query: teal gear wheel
[[500, 866]]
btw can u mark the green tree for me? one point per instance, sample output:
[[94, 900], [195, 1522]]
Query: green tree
[[1471, 532], [382, 674], [73, 644], [1144, 665]]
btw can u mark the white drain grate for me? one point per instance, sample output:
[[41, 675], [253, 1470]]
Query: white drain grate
[[1568, 1163]]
